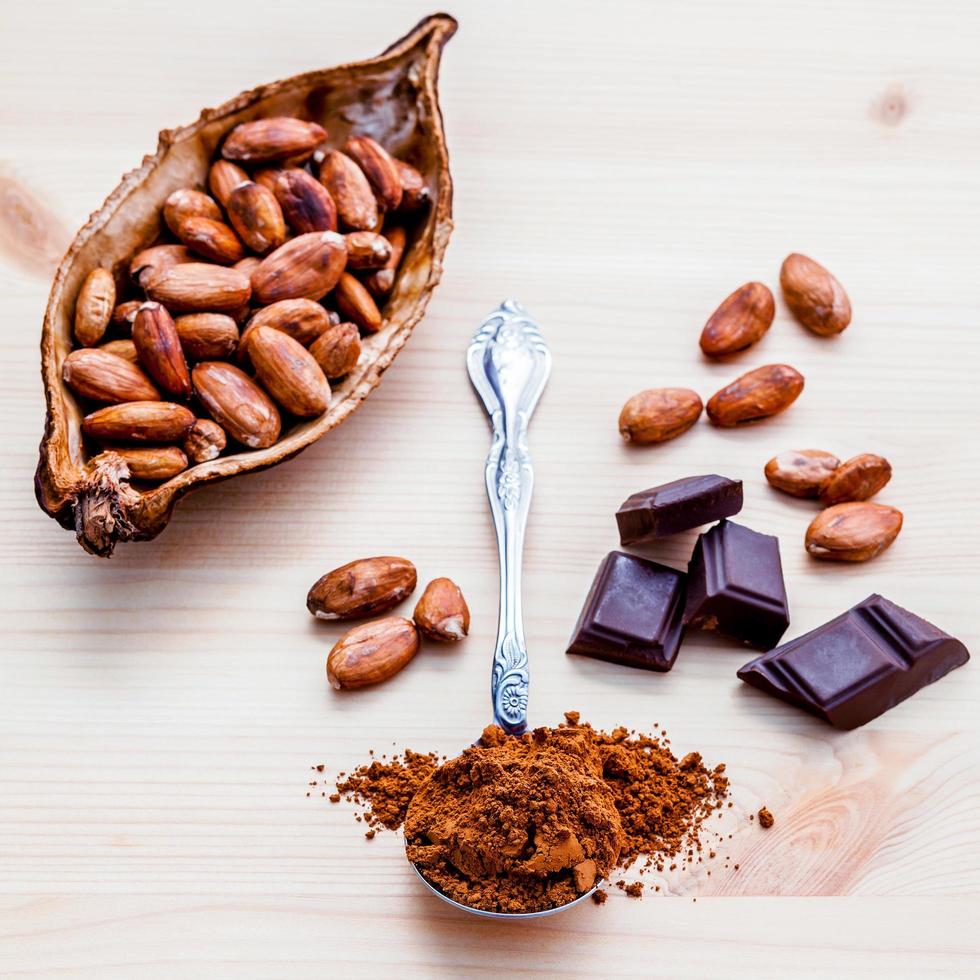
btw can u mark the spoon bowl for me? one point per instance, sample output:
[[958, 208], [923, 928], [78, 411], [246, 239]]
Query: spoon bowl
[[502, 915]]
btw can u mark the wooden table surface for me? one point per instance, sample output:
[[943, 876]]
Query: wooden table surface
[[619, 168]]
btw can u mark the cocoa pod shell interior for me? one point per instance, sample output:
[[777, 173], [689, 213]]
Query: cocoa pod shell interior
[[392, 98]]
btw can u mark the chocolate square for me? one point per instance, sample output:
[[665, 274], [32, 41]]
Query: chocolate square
[[632, 614], [735, 585], [677, 506], [857, 666]]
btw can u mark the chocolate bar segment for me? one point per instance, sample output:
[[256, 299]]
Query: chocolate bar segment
[[735, 585], [858, 665], [632, 614], [677, 506]]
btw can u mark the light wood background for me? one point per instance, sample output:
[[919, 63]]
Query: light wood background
[[619, 168]]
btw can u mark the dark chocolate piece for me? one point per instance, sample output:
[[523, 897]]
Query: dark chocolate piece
[[632, 614], [735, 585], [858, 665], [677, 506]]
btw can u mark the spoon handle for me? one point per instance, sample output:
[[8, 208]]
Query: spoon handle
[[509, 363]]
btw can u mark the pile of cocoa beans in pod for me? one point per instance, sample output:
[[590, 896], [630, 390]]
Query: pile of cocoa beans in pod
[[261, 299], [850, 528]]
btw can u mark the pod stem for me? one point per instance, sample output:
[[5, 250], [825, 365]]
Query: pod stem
[[101, 504]]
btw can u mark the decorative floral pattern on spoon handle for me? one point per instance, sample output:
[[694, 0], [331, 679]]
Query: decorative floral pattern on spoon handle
[[509, 363]]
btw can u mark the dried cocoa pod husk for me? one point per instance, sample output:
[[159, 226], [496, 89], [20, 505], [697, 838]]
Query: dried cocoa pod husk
[[96, 501]]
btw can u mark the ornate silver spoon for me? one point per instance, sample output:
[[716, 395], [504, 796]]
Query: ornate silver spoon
[[509, 364]]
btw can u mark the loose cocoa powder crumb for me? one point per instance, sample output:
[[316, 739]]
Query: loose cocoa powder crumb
[[599, 897], [386, 788], [635, 890], [766, 819], [335, 797], [528, 823]]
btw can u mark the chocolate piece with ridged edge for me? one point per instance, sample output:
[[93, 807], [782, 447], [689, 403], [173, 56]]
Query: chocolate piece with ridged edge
[[857, 666], [632, 614], [677, 506], [735, 585]]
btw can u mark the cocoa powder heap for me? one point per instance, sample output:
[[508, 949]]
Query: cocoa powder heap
[[522, 824], [516, 824]]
